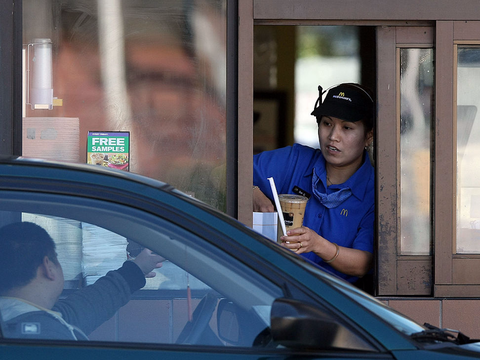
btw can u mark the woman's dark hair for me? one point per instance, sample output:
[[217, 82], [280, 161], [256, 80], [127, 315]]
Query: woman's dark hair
[[23, 246], [369, 122]]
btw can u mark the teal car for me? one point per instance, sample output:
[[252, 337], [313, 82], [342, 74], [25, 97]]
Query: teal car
[[224, 291]]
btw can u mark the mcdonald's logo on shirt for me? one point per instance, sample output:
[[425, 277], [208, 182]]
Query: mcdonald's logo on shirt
[[344, 212]]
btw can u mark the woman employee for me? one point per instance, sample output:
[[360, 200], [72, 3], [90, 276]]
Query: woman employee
[[338, 179]]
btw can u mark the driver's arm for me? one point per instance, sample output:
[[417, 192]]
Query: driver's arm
[[88, 308]]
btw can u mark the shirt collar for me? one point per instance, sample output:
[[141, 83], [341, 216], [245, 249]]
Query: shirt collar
[[358, 182], [11, 307]]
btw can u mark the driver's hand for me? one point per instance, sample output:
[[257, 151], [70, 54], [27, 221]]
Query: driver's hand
[[147, 261]]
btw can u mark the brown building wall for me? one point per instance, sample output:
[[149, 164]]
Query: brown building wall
[[458, 314]]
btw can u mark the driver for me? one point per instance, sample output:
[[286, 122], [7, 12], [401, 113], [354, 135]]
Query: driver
[[31, 281]]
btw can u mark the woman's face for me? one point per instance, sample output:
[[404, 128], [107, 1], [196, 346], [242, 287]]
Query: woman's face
[[343, 142]]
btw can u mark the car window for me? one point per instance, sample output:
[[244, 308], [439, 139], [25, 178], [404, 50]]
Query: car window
[[186, 302]]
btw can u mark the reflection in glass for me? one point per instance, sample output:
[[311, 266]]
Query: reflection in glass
[[416, 91], [468, 149], [154, 68]]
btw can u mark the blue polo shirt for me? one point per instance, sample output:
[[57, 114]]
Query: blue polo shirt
[[298, 169]]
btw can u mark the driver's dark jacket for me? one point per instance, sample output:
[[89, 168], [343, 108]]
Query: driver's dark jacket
[[78, 314]]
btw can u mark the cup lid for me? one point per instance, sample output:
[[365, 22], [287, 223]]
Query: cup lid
[[293, 198]]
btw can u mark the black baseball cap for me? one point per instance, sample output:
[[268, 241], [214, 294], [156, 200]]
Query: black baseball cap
[[349, 102]]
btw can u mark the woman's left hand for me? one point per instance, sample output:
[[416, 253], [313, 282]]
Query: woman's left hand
[[300, 240]]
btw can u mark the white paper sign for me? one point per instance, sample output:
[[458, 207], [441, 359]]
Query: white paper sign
[[266, 224]]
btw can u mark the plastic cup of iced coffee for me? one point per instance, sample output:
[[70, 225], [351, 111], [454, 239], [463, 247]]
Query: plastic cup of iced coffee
[[293, 208]]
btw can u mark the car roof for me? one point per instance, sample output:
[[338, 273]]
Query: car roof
[[87, 168]]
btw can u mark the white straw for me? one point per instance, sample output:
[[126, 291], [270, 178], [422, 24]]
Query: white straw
[[277, 204]]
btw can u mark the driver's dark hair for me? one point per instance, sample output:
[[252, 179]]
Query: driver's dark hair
[[23, 246]]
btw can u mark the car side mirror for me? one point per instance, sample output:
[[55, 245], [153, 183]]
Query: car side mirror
[[296, 324], [237, 326], [227, 323]]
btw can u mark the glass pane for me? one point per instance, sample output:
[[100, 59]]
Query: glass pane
[[196, 281], [468, 147], [156, 69], [416, 92]]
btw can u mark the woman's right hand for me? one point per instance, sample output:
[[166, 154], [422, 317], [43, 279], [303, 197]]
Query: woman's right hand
[[261, 203]]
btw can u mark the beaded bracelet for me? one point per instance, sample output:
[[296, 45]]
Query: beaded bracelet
[[335, 256]]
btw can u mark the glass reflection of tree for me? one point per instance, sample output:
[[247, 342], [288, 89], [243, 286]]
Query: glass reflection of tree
[[156, 69], [415, 143]]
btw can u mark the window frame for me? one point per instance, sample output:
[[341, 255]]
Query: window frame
[[396, 274], [11, 77], [406, 276], [452, 270]]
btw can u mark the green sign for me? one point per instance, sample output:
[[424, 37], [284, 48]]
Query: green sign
[[109, 149]]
